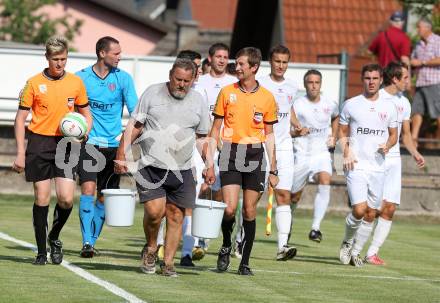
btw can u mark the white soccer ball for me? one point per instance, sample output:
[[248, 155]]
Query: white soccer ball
[[73, 125]]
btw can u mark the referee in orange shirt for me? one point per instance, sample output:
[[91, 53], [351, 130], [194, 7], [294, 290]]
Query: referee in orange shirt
[[248, 112], [50, 95]]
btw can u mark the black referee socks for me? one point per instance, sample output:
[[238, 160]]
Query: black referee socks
[[248, 240], [60, 217], [227, 228], [39, 216]]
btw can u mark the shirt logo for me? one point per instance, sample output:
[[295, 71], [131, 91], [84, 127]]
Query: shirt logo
[[258, 117], [232, 98], [70, 102], [326, 110], [400, 109], [369, 131], [217, 85], [42, 88], [112, 87], [280, 90], [383, 116]]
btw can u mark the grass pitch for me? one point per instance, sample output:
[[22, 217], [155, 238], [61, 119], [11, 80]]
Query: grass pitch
[[412, 273]]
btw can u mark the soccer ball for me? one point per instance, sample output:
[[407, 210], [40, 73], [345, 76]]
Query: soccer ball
[[73, 125]]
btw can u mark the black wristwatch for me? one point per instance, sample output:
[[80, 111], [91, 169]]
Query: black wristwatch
[[274, 172]]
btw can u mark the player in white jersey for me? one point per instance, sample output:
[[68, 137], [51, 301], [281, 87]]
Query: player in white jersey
[[319, 119], [209, 85], [396, 81], [367, 131], [284, 90]]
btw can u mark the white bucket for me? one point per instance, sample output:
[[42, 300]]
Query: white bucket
[[207, 218], [119, 206]]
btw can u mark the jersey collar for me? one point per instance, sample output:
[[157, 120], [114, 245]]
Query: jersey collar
[[46, 75], [245, 91]]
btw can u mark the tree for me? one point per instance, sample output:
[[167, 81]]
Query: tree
[[23, 21], [424, 8], [421, 8]]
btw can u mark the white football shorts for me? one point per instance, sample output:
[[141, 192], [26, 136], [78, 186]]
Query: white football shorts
[[306, 168], [365, 186], [393, 180], [285, 169]]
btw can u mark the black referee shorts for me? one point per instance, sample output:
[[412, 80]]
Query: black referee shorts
[[43, 160], [90, 170], [244, 165]]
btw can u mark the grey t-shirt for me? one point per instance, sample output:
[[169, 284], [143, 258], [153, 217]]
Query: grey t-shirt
[[170, 125]]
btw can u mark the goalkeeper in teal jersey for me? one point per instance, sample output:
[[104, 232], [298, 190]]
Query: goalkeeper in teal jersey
[[108, 90]]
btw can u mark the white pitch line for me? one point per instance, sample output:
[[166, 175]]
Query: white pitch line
[[82, 273]]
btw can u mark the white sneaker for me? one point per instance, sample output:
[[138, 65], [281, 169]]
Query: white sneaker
[[345, 253], [356, 261], [286, 253]]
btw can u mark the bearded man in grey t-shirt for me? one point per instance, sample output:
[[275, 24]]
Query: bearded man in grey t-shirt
[[165, 124]]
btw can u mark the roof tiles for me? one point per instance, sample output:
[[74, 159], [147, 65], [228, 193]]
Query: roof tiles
[[329, 26]]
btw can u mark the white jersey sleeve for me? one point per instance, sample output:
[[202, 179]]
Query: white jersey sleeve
[[403, 112], [335, 112], [344, 117]]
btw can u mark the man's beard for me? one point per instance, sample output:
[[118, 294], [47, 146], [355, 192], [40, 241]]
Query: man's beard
[[179, 94]]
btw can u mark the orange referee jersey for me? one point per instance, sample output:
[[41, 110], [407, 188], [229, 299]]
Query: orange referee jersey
[[50, 100], [245, 113]]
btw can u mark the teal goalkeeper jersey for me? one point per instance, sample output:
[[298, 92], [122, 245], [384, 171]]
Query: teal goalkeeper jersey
[[106, 99]]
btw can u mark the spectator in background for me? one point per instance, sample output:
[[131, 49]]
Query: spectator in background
[[392, 44], [426, 60]]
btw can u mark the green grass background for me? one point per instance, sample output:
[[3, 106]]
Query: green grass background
[[412, 273]]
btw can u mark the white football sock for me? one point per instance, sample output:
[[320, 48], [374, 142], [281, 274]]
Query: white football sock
[[361, 237], [160, 238], [351, 226], [188, 239], [381, 232], [283, 217], [321, 203]]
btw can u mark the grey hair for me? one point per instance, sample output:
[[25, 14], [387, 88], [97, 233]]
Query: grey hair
[[185, 64], [425, 21], [56, 44]]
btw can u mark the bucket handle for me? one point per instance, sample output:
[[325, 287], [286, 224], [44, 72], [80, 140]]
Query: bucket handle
[[133, 194]]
